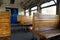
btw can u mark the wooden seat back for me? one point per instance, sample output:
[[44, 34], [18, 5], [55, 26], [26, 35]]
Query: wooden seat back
[[5, 24], [42, 21], [25, 19]]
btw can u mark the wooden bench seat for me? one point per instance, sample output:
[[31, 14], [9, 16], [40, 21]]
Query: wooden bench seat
[[24, 20], [45, 21], [5, 30]]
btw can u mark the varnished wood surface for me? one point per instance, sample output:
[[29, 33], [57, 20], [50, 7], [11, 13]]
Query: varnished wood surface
[[5, 38], [24, 20], [46, 34], [45, 21], [5, 24]]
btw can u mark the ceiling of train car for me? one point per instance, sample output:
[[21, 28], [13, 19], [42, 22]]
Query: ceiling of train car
[[4, 2], [32, 3], [23, 3]]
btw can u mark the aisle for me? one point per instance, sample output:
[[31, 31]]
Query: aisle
[[21, 36]]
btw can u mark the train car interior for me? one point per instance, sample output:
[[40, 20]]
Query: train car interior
[[29, 19]]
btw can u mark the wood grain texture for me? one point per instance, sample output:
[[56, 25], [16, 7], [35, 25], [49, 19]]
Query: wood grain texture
[[5, 24], [45, 21], [46, 34], [4, 20], [24, 19], [5, 38]]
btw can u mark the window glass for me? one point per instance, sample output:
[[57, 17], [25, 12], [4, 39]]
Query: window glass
[[49, 10], [47, 4], [35, 11], [27, 13], [21, 13], [34, 8], [27, 10]]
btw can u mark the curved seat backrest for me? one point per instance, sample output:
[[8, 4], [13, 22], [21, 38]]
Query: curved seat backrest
[[5, 24], [24, 19], [42, 21]]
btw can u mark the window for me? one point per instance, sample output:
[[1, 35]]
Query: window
[[27, 12], [21, 13], [47, 4], [33, 10], [49, 8]]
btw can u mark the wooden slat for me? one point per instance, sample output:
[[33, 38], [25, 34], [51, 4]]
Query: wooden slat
[[4, 14], [46, 34], [45, 21], [5, 38], [4, 17], [24, 20], [4, 20], [5, 24]]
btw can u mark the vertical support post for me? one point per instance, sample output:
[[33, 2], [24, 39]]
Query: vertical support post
[[38, 8], [58, 7], [29, 11], [24, 13]]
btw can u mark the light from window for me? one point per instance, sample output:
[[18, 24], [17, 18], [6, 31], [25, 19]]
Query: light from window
[[49, 10], [34, 8], [47, 4], [27, 10], [35, 11], [27, 13], [21, 13]]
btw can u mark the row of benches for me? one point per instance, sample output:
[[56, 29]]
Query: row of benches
[[44, 26]]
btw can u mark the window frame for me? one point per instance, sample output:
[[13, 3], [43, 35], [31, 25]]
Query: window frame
[[27, 11], [33, 10], [49, 6]]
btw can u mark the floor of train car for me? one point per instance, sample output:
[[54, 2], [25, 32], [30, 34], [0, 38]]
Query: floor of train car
[[21, 36], [18, 33]]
